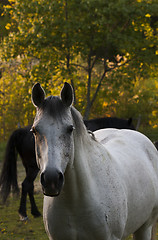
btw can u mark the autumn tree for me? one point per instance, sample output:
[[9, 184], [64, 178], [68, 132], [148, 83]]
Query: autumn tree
[[96, 37]]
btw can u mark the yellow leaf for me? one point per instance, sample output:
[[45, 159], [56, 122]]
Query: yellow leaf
[[105, 104], [8, 26], [154, 113], [135, 96], [148, 15]]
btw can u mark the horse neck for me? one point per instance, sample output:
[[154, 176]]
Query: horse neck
[[79, 178]]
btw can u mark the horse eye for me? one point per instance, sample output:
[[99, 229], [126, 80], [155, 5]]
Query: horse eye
[[70, 129]]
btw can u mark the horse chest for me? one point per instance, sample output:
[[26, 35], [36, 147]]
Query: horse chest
[[80, 222], [82, 225]]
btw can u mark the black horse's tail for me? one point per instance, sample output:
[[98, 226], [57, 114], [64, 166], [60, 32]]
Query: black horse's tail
[[8, 178]]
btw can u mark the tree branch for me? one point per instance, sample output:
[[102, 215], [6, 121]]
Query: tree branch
[[78, 65], [103, 76]]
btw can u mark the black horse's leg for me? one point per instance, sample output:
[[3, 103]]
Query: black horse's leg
[[28, 187], [22, 208], [34, 209], [32, 175]]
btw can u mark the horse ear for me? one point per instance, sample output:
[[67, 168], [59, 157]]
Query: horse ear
[[67, 94], [38, 95]]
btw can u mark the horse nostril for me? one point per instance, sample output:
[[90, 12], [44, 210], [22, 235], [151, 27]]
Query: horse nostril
[[61, 178]]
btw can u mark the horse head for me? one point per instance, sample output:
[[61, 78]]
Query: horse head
[[53, 131]]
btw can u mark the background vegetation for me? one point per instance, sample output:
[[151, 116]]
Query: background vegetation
[[107, 50]]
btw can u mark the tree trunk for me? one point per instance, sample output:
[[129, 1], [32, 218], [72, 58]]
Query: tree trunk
[[88, 100], [91, 101]]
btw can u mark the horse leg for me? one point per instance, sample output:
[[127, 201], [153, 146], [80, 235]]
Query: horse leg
[[34, 209], [144, 233], [22, 208], [32, 173]]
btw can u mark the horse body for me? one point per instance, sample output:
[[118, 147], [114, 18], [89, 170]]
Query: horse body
[[103, 188]]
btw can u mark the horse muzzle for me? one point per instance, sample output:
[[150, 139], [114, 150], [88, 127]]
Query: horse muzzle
[[52, 182]]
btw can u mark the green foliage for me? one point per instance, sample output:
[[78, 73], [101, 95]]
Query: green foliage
[[3, 21], [102, 47], [106, 28]]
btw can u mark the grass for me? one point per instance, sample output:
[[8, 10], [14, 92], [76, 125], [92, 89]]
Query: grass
[[11, 228]]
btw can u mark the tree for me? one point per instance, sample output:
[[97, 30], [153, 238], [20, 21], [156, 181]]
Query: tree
[[95, 36]]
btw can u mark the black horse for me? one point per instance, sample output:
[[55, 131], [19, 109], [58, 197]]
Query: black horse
[[156, 144], [109, 122], [22, 141]]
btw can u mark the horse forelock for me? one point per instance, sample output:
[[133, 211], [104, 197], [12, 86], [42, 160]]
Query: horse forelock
[[53, 106]]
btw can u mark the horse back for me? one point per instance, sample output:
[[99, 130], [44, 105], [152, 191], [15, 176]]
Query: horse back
[[131, 143], [25, 146]]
